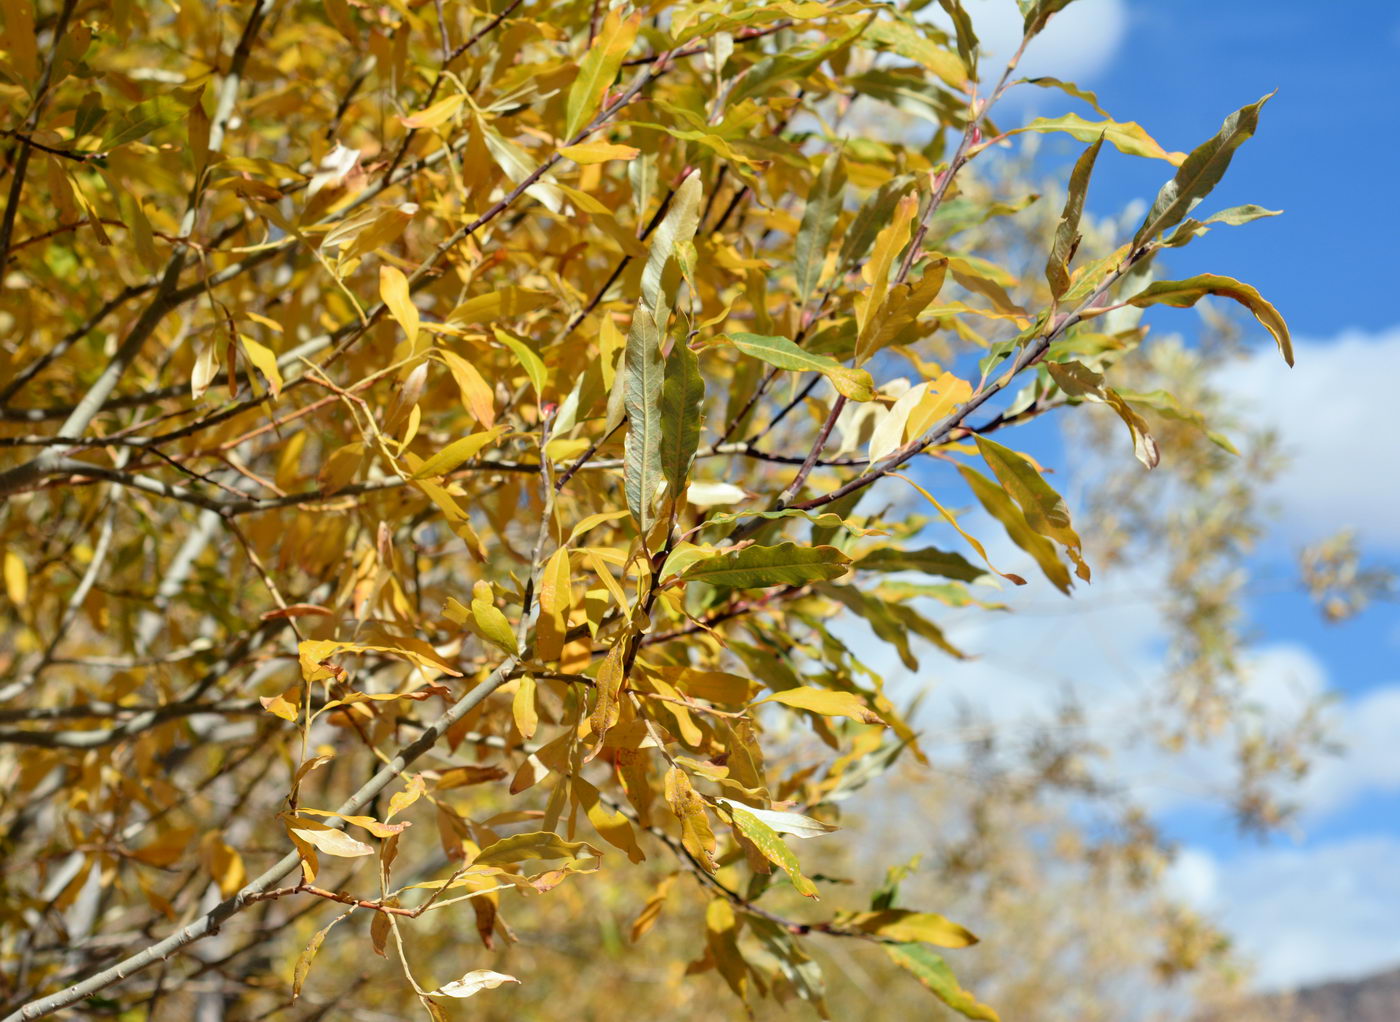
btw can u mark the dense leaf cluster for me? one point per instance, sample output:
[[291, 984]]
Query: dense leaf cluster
[[440, 442]]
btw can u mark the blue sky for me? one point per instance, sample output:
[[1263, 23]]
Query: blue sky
[[1319, 902]]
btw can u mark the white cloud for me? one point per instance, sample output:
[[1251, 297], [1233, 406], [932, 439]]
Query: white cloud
[[1332, 413], [1302, 914], [1079, 43], [1369, 726]]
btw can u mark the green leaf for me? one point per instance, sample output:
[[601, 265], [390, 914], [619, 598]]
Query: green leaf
[[782, 353], [599, 69], [142, 119], [790, 66], [818, 221], [643, 368], [874, 214], [903, 925], [754, 567], [877, 614], [1039, 12], [767, 841], [1067, 231], [933, 972], [1127, 137], [825, 702], [518, 164], [682, 392], [1168, 406], [1044, 509], [544, 844], [962, 25], [1236, 215], [929, 560], [1199, 173], [822, 520], [1000, 507], [534, 366], [1184, 293]]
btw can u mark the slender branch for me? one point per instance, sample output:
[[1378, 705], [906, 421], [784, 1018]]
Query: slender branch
[[41, 95], [447, 58], [210, 922]]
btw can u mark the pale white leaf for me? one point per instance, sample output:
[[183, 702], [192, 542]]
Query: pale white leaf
[[785, 823], [473, 983], [715, 494]]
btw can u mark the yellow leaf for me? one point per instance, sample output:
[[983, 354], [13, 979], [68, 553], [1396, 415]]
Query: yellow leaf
[[825, 701], [903, 925], [689, 808], [503, 303], [599, 68], [393, 289], [438, 113], [491, 624], [942, 396], [265, 361], [223, 863], [451, 457], [651, 911], [522, 708], [610, 824], [889, 243], [369, 823], [477, 395], [712, 686], [278, 706], [340, 468], [16, 579], [555, 596], [401, 800], [598, 152], [607, 709]]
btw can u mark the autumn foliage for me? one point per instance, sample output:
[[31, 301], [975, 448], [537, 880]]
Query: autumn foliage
[[445, 447]]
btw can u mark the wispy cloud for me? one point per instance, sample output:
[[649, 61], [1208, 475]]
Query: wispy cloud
[[1305, 914], [1079, 44], [1334, 415]]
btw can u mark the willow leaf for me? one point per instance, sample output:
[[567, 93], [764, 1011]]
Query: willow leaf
[[1184, 293], [677, 226], [818, 222], [1126, 136], [643, 369], [930, 560], [599, 68], [1001, 507], [1067, 231], [767, 841], [1199, 172], [782, 353], [754, 567], [933, 972], [682, 392]]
